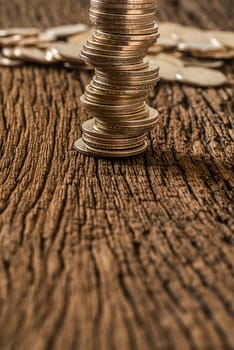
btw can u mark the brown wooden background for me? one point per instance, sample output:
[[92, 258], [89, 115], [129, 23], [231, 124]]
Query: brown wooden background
[[125, 254]]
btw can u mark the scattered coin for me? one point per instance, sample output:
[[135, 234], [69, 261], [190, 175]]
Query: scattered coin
[[66, 51], [81, 37], [77, 66], [36, 41], [192, 46], [199, 76], [170, 30], [224, 37], [8, 52], [8, 62], [191, 34], [168, 68], [178, 61], [178, 45], [225, 54], [195, 42], [32, 55], [165, 43], [184, 61], [206, 63], [10, 40], [174, 69], [55, 33], [23, 32]]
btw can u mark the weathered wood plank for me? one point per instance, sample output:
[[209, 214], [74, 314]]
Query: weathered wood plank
[[127, 254]]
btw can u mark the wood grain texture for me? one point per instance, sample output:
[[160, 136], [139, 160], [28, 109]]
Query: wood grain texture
[[124, 254]]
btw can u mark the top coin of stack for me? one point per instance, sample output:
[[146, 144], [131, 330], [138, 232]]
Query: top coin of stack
[[124, 30]]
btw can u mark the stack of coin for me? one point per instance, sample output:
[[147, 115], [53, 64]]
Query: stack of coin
[[115, 98]]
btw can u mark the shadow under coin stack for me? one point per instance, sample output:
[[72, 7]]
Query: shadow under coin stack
[[115, 98]]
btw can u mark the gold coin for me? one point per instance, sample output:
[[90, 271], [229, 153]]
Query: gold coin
[[120, 18], [109, 53], [110, 94], [89, 127], [81, 147], [119, 117], [108, 6], [116, 46], [120, 142], [133, 37], [131, 41], [151, 70], [124, 92], [116, 101], [131, 124], [108, 144], [128, 79], [120, 87], [139, 85], [132, 107], [124, 11], [131, 31]]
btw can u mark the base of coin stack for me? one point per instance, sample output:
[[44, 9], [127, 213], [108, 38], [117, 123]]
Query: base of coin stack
[[115, 98]]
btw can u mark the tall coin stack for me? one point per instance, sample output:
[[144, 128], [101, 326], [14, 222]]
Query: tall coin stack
[[115, 98]]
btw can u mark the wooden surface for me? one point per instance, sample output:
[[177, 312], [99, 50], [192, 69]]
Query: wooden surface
[[124, 254]]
